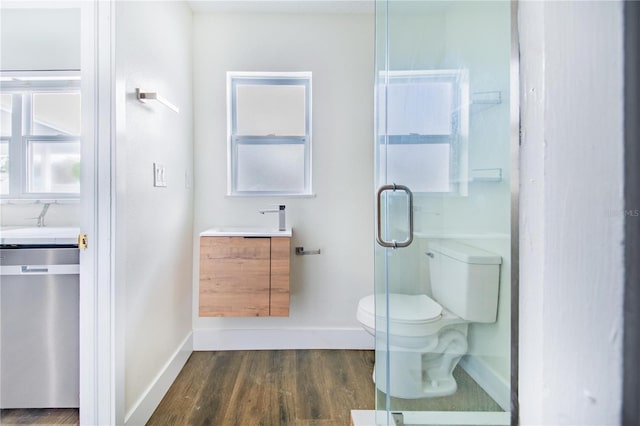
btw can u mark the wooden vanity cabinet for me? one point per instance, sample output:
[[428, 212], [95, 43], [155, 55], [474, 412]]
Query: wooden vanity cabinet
[[244, 276], [280, 256]]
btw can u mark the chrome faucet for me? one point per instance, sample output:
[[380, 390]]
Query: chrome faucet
[[42, 214], [281, 216]]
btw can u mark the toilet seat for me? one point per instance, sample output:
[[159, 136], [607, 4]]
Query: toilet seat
[[405, 309]]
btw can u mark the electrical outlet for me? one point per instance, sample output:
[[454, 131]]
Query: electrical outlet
[[159, 175]]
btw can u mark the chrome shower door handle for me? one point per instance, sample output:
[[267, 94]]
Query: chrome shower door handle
[[394, 244]]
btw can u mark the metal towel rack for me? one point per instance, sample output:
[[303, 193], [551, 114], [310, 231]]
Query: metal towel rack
[[300, 251]]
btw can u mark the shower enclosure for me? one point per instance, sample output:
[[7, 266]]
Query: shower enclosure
[[445, 152]]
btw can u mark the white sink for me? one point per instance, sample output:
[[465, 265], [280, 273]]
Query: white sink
[[244, 231], [39, 235]]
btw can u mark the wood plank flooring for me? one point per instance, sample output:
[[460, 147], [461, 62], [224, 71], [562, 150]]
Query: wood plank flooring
[[290, 387], [41, 416], [264, 388]]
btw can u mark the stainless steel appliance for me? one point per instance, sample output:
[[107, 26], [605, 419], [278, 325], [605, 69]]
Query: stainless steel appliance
[[39, 334]]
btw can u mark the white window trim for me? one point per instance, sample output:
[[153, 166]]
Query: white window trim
[[15, 82], [305, 79]]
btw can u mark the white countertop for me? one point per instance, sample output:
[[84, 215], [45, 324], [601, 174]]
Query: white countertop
[[39, 235], [245, 231]]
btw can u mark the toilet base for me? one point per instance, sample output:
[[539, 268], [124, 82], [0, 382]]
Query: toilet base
[[433, 389], [426, 373]]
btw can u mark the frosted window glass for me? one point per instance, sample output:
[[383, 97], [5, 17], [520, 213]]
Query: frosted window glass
[[5, 111], [54, 167], [56, 113], [423, 108], [422, 167], [271, 110], [272, 167]]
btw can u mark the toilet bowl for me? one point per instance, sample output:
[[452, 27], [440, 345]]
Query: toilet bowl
[[425, 344], [422, 338]]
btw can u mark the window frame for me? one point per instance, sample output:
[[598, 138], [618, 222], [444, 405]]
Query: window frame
[[234, 140], [22, 86]]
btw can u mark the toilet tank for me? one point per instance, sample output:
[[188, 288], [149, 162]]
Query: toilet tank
[[464, 279]]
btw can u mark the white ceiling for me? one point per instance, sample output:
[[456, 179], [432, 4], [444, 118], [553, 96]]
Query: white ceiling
[[283, 6]]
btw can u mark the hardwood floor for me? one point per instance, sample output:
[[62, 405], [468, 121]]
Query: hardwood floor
[[310, 387], [288, 387], [41, 416]]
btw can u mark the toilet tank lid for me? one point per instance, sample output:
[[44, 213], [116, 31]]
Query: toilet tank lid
[[464, 252]]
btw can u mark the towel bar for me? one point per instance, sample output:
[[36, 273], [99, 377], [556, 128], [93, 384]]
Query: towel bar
[[300, 251]]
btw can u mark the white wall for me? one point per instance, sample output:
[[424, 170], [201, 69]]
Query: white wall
[[325, 289], [153, 269], [39, 39], [571, 222]]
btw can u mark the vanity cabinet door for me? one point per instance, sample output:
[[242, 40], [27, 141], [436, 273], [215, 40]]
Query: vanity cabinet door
[[234, 276], [280, 255]]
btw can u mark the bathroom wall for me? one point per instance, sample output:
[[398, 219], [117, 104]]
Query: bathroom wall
[[485, 212], [154, 225], [572, 213], [338, 219], [39, 39]]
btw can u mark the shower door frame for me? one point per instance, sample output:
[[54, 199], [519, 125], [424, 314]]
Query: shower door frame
[[514, 135]]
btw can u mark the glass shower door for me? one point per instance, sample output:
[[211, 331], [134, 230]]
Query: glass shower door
[[443, 184]]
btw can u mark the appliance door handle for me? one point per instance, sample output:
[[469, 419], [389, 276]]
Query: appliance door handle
[[33, 269], [393, 243], [24, 270]]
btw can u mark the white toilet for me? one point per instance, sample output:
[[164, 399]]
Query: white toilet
[[428, 334]]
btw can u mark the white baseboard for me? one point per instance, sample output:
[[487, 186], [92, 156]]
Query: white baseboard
[[495, 386], [142, 410], [274, 339]]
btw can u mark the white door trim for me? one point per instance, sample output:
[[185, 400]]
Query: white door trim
[[98, 393]]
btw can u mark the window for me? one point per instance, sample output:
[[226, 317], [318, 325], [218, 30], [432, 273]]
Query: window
[[269, 130], [40, 136], [423, 134]]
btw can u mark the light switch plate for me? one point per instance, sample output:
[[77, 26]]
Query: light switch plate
[[159, 175]]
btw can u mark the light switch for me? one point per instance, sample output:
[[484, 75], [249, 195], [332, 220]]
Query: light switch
[[159, 175]]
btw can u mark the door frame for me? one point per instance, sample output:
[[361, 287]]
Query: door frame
[[631, 348], [98, 393]]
